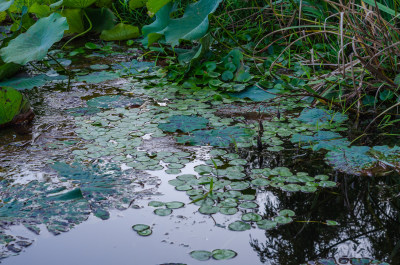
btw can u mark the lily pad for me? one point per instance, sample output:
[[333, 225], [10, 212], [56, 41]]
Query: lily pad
[[156, 204], [321, 116], [140, 227], [228, 211], [97, 77], [286, 212], [145, 232], [239, 226], [248, 205], [174, 205], [114, 101], [251, 217], [283, 219], [208, 209], [120, 32], [222, 137], [222, 254], [162, 212], [266, 224], [201, 255], [184, 124]]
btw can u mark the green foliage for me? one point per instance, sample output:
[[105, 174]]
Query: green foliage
[[192, 26], [4, 4], [120, 32], [12, 103], [35, 43], [184, 123]]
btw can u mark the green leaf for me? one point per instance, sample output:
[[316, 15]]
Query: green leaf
[[133, 4], [78, 3], [221, 254], [162, 212], [227, 75], [266, 224], [201, 255], [102, 18], [140, 227], [12, 103], [39, 10], [192, 26], [184, 123], [321, 116], [154, 5], [74, 19], [36, 41], [4, 5], [120, 32], [239, 226], [331, 223]]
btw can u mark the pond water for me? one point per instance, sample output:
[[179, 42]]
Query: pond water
[[77, 179]]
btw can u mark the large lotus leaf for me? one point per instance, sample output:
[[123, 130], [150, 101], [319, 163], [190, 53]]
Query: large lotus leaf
[[162, 20], [192, 26], [104, 3], [256, 94], [4, 4], [21, 83], [133, 4], [120, 32], [327, 140], [12, 103], [351, 160], [8, 69], [97, 77], [184, 123], [36, 41], [321, 116], [102, 18], [39, 10], [115, 101], [222, 137], [153, 5], [74, 18], [78, 3]]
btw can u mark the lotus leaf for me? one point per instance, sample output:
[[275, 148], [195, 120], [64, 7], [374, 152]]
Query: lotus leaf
[[140, 227], [162, 212], [208, 209], [12, 104], [36, 41], [192, 26], [228, 211], [174, 205], [78, 3], [266, 224], [253, 217], [321, 117], [184, 123], [120, 32]]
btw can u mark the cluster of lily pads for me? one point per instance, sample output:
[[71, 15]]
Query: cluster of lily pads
[[169, 207], [217, 254], [142, 229]]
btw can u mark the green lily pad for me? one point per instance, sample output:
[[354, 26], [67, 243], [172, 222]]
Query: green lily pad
[[222, 137], [176, 182], [239, 185], [291, 187], [251, 217], [283, 219], [201, 255], [222, 254], [113, 101], [174, 205], [184, 187], [156, 204], [266, 224], [184, 124], [321, 116], [239, 226], [99, 66], [140, 227], [228, 202], [228, 211], [260, 182], [145, 232], [248, 205], [327, 140], [327, 184], [162, 212], [208, 209], [97, 77], [36, 41], [308, 189], [286, 212], [175, 166]]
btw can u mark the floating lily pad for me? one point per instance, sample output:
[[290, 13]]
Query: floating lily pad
[[174, 205], [286, 212], [256, 94], [208, 209], [327, 184], [253, 217], [266, 224], [184, 124], [140, 227], [156, 204], [99, 66], [239, 226], [218, 137], [97, 77], [283, 219], [228, 211], [321, 116], [222, 254], [162, 212], [201, 255], [114, 101], [291, 187], [327, 140], [145, 232], [248, 205]]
